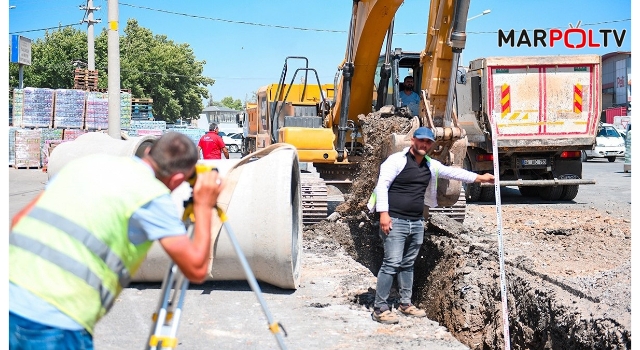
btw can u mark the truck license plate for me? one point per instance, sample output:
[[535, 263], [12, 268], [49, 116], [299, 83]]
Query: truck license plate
[[534, 162]]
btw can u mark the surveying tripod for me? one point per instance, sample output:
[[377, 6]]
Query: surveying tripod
[[174, 286]]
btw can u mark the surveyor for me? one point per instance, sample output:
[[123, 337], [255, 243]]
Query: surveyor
[[77, 244], [407, 182]]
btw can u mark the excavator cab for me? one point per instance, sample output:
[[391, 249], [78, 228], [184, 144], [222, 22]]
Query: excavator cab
[[451, 143]]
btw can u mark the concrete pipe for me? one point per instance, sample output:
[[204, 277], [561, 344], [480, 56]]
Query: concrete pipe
[[262, 201], [95, 143]]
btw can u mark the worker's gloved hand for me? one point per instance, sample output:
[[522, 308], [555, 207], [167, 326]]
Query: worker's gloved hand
[[207, 188]]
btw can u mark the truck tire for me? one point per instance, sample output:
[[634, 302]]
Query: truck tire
[[611, 159], [583, 156], [569, 192], [551, 193], [488, 194], [472, 192], [529, 191]]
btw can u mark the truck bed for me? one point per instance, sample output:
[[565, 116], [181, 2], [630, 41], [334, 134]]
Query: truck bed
[[543, 101]]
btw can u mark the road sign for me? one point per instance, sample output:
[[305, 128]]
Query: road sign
[[20, 50]]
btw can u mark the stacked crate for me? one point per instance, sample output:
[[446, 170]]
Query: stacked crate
[[27, 146], [97, 113], [12, 146], [69, 108], [141, 109], [125, 110], [72, 134], [18, 103], [47, 137], [147, 127], [193, 134], [37, 108], [85, 79]]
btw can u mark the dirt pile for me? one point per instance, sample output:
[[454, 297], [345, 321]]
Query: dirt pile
[[375, 131]]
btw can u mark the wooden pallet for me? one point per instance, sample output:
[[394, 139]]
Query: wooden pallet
[[142, 100], [25, 166]]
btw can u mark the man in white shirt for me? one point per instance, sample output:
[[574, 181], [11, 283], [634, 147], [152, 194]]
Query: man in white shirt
[[407, 181]]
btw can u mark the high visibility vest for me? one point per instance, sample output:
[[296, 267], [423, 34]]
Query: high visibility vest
[[72, 249]]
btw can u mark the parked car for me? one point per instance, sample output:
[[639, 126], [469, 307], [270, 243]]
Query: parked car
[[233, 142], [609, 144]]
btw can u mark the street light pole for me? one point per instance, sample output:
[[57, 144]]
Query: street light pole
[[485, 12], [113, 65]]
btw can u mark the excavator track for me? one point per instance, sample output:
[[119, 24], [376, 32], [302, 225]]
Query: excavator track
[[314, 198], [457, 212]]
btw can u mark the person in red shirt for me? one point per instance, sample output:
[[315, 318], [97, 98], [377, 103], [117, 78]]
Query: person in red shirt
[[212, 145]]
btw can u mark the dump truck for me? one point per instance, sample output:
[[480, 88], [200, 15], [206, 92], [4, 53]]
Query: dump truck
[[546, 111]]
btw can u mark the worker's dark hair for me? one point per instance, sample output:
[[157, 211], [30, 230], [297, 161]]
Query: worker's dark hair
[[213, 127], [408, 77], [174, 152]]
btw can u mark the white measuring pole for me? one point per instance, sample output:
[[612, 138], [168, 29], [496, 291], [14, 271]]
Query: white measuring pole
[[503, 279]]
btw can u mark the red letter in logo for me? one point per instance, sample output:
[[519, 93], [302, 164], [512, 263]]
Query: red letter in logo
[[554, 35], [580, 31], [591, 43]]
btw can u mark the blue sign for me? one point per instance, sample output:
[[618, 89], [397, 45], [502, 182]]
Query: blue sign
[[20, 50]]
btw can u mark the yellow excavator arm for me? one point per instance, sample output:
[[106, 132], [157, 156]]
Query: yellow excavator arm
[[371, 22]]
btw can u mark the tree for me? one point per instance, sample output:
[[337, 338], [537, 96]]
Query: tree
[[52, 60], [150, 65], [229, 102], [154, 66]]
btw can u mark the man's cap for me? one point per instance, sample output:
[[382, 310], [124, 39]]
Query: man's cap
[[424, 133]]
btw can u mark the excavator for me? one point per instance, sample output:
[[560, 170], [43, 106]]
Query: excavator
[[332, 138]]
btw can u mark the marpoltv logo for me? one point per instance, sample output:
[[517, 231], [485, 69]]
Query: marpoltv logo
[[572, 38]]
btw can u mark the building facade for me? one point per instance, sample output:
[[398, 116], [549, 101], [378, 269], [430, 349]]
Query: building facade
[[616, 80], [215, 114]]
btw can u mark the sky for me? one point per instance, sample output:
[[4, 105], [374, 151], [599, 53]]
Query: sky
[[245, 43]]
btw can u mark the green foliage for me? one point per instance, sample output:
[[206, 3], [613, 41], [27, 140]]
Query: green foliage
[[51, 60], [229, 102], [150, 65]]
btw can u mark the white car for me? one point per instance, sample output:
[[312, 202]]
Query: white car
[[233, 142], [609, 144]]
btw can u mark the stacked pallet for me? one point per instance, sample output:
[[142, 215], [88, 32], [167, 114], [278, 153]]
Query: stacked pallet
[[147, 127], [69, 108], [85, 79], [72, 134], [18, 103], [97, 113], [12, 145], [47, 137], [141, 109], [27, 148], [37, 108], [193, 134], [125, 110]]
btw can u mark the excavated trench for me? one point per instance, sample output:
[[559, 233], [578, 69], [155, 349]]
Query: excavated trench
[[457, 282], [457, 276]]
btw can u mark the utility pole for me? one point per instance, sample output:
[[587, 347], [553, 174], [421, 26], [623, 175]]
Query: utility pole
[[113, 67], [91, 58]]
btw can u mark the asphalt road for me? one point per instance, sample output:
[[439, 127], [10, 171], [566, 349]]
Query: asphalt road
[[226, 315]]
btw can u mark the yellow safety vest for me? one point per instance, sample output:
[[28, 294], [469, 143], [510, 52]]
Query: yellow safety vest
[[72, 249]]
